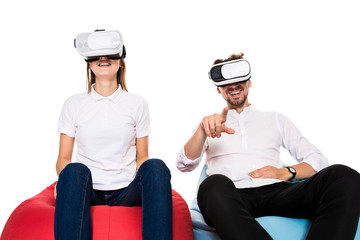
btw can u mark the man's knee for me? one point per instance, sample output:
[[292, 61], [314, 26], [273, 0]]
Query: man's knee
[[343, 181], [214, 186], [216, 196], [345, 173]]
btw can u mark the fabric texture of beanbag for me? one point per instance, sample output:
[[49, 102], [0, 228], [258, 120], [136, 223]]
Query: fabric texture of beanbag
[[33, 219]]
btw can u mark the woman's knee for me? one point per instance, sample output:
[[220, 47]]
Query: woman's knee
[[74, 175], [155, 168], [75, 170]]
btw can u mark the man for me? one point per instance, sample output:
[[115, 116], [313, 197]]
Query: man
[[247, 178]]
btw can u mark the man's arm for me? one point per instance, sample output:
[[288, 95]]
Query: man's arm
[[211, 126], [193, 147], [303, 170], [310, 159]]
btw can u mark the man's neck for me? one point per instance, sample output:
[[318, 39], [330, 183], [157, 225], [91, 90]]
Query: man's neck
[[241, 108]]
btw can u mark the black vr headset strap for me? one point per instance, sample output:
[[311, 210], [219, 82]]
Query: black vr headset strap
[[123, 55]]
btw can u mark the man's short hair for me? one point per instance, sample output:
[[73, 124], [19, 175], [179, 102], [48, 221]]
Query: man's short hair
[[230, 58]]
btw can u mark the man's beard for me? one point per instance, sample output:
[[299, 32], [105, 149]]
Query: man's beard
[[238, 103]]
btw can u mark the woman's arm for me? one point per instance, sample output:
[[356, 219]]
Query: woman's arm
[[65, 152], [142, 150]]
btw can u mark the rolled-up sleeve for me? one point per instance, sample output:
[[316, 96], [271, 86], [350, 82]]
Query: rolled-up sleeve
[[184, 164], [317, 161]]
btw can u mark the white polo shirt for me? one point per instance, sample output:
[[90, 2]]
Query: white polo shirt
[[105, 130], [255, 144]]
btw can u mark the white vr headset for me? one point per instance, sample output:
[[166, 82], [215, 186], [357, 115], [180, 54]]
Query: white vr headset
[[100, 43], [230, 72]]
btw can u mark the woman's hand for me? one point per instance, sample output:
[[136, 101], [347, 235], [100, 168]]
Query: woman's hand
[[55, 191]]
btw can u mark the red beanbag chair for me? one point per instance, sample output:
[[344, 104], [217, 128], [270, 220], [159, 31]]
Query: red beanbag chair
[[33, 219]]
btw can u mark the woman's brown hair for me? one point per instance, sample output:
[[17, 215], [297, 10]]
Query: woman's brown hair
[[120, 76]]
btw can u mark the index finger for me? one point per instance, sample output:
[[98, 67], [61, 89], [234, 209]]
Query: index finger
[[224, 113]]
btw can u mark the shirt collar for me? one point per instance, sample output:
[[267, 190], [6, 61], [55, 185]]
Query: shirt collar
[[245, 111], [113, 97]]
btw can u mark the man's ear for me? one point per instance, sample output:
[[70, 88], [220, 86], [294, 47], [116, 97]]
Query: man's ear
[[249, 83], [218, 90]]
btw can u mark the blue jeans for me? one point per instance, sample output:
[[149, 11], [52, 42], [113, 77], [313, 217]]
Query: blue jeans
[[150, 189]]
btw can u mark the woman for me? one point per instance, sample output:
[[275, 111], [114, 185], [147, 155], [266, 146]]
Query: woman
[[111, 129]]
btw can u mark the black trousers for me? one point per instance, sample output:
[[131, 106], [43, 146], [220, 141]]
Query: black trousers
[[331, 198]]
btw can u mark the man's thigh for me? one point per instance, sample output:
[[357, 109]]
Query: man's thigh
[[299, 200]]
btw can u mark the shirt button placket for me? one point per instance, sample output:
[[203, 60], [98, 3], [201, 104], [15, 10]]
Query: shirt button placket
[[106, 111], [242, 131]]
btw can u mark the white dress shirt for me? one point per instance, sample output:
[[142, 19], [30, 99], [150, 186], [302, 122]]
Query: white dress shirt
[[105, 130], [255, 144]]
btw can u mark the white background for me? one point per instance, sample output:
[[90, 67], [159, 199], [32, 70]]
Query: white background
[[304, 55]]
